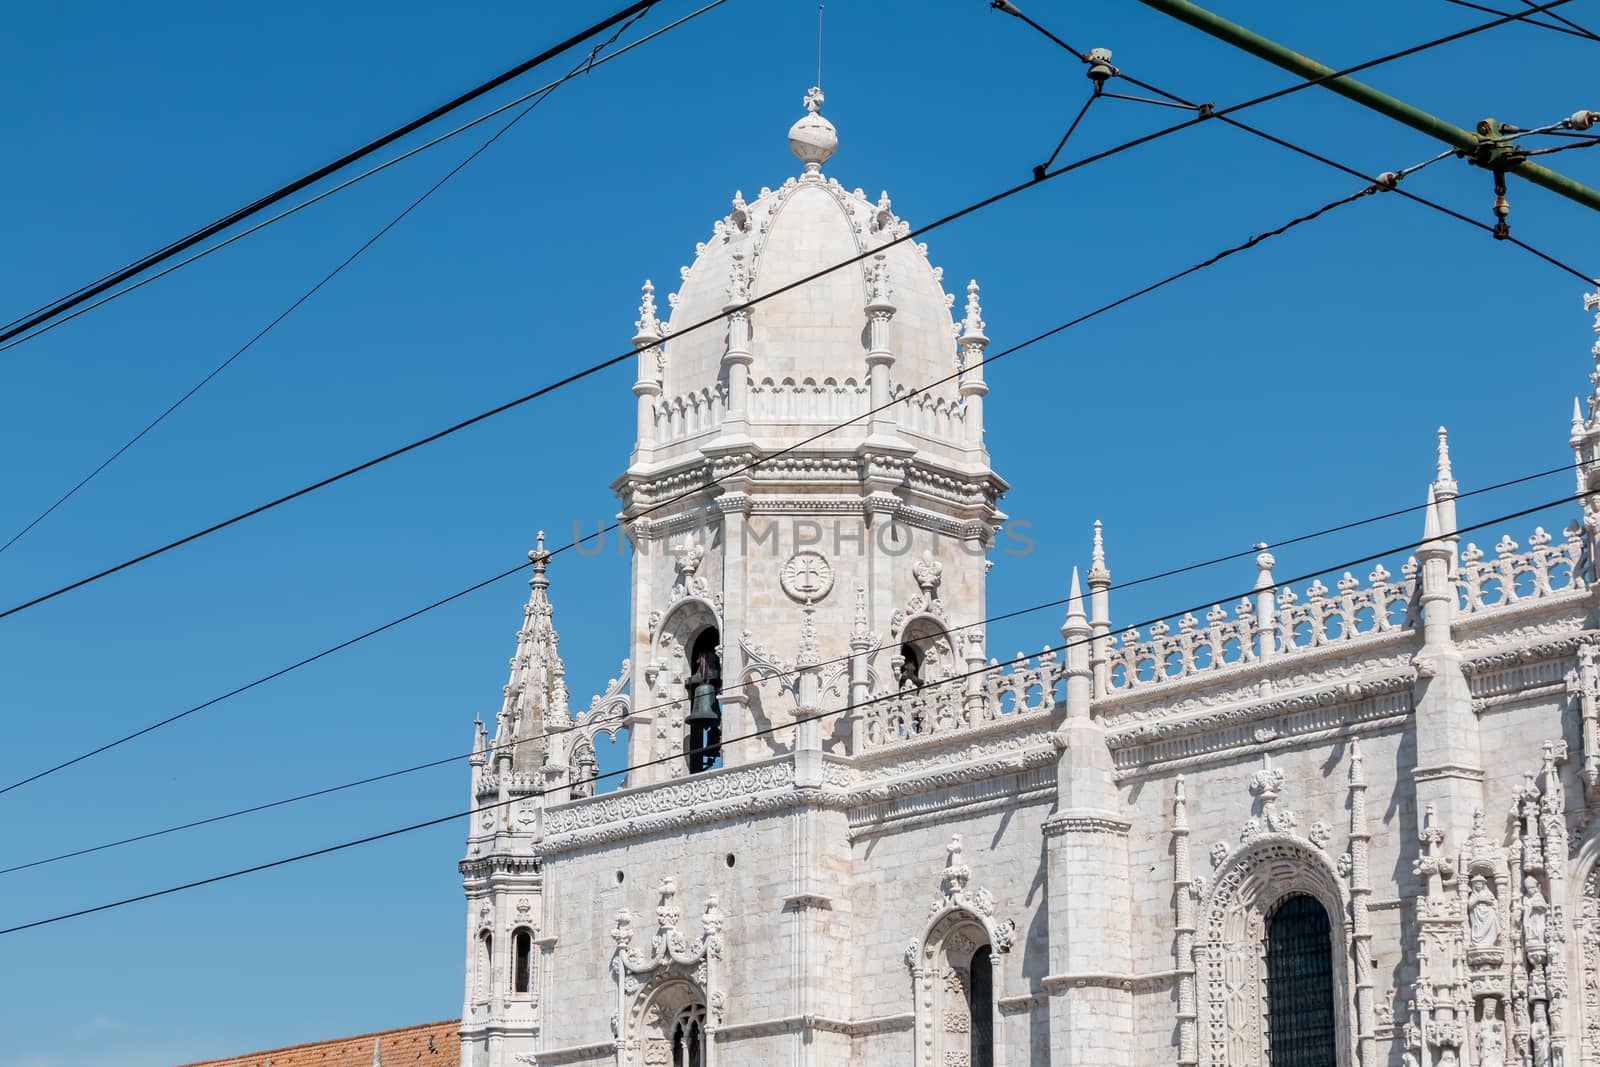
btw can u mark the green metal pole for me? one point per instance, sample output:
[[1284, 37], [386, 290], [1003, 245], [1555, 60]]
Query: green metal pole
[[1485, 151]]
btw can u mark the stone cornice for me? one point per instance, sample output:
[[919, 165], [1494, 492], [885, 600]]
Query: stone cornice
[[499, 863], [888, 760], [1237, 683], [1128, 983], [1554, 648], [790, 1023], [1295, 718], [736, 792], [1086, 822]]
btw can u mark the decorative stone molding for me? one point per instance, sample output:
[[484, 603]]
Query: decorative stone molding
[[1273, 862], [961, 921], [921, 804], [1085, 823], [1124, 983], [673, 973], [671, 807], [1351, 704]]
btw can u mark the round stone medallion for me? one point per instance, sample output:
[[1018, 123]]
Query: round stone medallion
[[807, 576]]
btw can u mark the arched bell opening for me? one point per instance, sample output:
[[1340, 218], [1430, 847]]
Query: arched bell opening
[[702, 741], [926, 654], [909, 667]]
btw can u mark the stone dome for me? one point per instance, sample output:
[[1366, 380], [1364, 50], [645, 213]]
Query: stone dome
[[816, 331]]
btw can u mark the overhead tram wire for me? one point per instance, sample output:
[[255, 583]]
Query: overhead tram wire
[[765, 731], [1567, 29], [780, 675], [1581, 30], [583, 67], [588, 66], [945, 220], [676, 498], [88, 291], [1226, 115]]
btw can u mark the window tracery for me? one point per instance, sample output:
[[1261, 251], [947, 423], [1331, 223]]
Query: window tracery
[[955, 969], [1233, 953]]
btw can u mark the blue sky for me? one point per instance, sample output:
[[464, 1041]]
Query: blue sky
[[1290, 388]]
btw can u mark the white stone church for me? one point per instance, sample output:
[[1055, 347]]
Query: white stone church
[[1347, 825]]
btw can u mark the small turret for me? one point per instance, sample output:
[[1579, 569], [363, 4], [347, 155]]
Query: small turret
[[647, 386], [1100, 612], [973, 387]]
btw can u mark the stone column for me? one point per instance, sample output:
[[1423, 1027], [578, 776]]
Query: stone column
[[738, 357], [1449, 770], [880, 358], [973, 387], [1088, 886], [647, 385], [1100, 614]]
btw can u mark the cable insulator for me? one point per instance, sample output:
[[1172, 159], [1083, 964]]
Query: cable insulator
[[1502, 207], [1582, 120], [1100, 68]]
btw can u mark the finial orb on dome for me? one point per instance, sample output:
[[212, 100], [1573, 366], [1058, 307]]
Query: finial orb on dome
[[813, 140]]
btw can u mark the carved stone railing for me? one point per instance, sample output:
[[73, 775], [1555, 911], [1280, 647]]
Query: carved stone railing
[[1511, 577], [1320, 617], [1347, 612], [945, 707], [1297, 623], [684, 416], [932, 416], [807, 400]]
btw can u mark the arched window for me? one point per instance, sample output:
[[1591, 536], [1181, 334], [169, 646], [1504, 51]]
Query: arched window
[[485, 962], [689, 1037], [522, 961], [1300, 1006], [702, 741], [980, 1008], [910, 667]]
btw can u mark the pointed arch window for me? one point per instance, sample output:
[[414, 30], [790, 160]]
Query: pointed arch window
[[485, 962], [522, 960], [980, 1008], [1300, 999], [689, 1037]]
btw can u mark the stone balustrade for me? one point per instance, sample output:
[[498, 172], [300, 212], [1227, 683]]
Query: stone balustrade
[[1169, 651]]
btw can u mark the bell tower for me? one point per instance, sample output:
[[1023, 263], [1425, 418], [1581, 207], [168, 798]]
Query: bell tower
[[809, 500]]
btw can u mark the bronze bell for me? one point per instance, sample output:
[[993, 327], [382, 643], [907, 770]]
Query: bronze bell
[[703, 708]]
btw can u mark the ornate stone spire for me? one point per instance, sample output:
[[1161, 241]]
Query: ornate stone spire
[[972, 325], [879, 292], [1443, 475], [860, 634], [480, 743], [1445, 490], [1077, 624], [813, 140], [536, 693], [647, 330], [1097, 557]]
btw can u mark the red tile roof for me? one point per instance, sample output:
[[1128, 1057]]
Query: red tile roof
[[428, 1045]]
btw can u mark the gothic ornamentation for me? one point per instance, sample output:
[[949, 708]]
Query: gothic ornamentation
[[807, 576], [1273, 862], [962, 920], [675, 972]]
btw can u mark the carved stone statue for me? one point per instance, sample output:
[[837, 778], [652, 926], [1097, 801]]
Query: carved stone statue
[[1535, 911], [1483, 914], [1491, 1045]]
